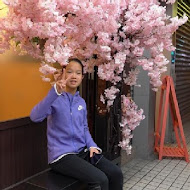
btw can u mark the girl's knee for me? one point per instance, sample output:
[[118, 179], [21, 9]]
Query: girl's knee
[[100, 182], [116, 179], [104, 182], [117, 173]]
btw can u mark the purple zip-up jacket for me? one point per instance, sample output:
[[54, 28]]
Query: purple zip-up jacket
[[67, 128]]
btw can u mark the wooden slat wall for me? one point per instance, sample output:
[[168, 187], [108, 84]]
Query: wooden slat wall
[[182, 63], [23, 150]]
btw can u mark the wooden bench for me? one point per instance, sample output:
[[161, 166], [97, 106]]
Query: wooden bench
[[49, 180]]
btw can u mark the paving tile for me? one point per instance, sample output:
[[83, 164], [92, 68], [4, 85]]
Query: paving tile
[[131, 182], [169, 180], [123, 171], [150, 187], [139, 175], [141, 184], [126, 177], [136, 188], [179, 181], [157, 180], [148, 178], [160, 177], [177, 185], [167, 183], [158, 169], [182, 178], [128, 185], [184, 175], [171, 177], [164, 186], [173, 188], [136, 179], [143, 172], [187, 173], [185, 187], [153, 172], [144, 181], [173, 174], [155, 184], [163, 174], [160, 188]]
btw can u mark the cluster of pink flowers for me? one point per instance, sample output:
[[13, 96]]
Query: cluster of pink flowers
[[110, 34], [146, 27], [169, 1], [131, 77], [54, 30], [109, 95], [46, 69], [131, 118]]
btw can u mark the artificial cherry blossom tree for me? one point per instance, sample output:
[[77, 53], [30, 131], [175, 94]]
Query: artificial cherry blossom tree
[[110, 34]]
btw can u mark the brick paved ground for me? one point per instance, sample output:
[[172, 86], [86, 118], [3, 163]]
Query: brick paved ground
[[167, 174]]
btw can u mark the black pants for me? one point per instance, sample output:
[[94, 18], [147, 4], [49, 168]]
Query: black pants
[[101, 176]]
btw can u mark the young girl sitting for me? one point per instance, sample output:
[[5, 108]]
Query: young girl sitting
[[71, 149]]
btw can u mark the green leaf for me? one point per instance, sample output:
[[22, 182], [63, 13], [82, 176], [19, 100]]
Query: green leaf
[[36, 40], [17, 43]]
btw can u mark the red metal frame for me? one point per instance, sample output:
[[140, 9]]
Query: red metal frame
[[170, 100]]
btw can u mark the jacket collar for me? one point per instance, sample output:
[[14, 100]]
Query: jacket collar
[[68, 95]]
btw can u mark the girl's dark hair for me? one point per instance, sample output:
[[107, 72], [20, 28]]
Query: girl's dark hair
[[78, 61]]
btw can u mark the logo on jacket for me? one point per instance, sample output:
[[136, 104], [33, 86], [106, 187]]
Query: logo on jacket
[[80, 107]]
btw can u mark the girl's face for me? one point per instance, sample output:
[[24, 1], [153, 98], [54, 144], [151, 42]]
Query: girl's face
[[74, 72]]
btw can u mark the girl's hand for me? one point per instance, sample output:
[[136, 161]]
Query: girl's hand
[[61, 81], [93, 150]]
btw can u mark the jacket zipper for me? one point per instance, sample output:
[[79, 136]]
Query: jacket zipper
[[72, 126]]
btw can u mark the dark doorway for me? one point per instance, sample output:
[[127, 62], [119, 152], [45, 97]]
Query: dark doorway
[[104, 126]]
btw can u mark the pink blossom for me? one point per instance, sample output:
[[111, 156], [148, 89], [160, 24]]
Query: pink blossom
[[131, 78], [169, 1], [131, 118], [46, 79], [109, 95], [47, 69]]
